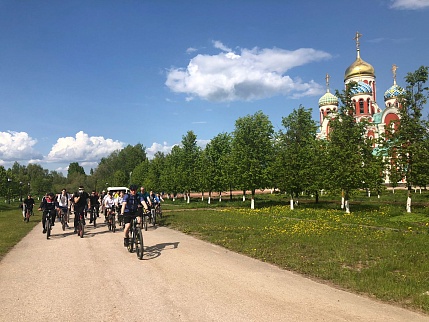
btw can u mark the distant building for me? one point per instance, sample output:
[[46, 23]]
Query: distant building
[[364, 99]]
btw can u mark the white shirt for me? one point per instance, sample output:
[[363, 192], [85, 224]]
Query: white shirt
[[63, 200]]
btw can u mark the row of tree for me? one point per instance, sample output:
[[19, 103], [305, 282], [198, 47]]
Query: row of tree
[[254, 156]]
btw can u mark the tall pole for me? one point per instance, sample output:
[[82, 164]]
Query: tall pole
[[9, 182], [20, 191]]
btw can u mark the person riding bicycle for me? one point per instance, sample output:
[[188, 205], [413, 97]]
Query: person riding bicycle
[[108, 204], [63, 200], [28, 203], [145, 196], [94, 206], [48, 205], [81, 200], [129, 210]]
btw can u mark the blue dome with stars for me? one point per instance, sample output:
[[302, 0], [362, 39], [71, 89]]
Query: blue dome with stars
[[361, 88], [393, 92]]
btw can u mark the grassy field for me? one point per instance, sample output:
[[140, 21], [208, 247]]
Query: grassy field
[[12, 226], [378, 250]]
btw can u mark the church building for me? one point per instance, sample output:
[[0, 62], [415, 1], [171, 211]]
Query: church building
[[364, 99]]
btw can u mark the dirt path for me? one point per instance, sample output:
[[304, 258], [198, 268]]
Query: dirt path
[[180, 279]]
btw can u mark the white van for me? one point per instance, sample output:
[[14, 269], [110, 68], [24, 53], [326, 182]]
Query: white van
[[125, 189]]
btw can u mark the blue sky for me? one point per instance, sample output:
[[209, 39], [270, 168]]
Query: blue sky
[[80, 79]]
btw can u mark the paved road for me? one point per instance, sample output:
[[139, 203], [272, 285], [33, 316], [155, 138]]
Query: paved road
[[180, 279]]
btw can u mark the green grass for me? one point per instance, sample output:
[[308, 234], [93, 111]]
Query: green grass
[[12, 226], [378, 250]]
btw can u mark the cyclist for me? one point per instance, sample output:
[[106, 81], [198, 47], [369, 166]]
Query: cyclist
[[108, 204], [94, 206], [145, 196], [129, 210], [28, 203], [48, 205], [81, 200], [63, 200]]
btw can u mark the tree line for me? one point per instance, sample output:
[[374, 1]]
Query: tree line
[[254, 156]]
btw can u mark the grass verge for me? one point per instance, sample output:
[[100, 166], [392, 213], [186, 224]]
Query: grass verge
[[378, 250], [12, 226]]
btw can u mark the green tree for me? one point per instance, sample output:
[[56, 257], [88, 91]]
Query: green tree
[[294, 169], [217, 152], [171, 175], [252, 152], [188, 161], [347, 148], [406, 143], [75, 168]]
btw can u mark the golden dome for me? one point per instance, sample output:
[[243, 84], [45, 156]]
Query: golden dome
[[359, 67]]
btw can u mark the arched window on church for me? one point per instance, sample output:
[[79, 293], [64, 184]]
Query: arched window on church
[[361, 107]]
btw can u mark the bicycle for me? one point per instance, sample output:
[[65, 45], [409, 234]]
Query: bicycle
[[48, 224], [27, 212], [135, 238], [81, 226], [93, 212], [120, 218], [158, 210], [153, 216], [63, 219], [146, 219], [111, 220]]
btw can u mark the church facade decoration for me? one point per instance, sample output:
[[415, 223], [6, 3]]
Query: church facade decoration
[[365, 106]]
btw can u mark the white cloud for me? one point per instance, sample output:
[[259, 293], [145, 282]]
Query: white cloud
[[253, 74], [157, 147], [83, 149], [202, 143], [190, 50], [409, 4], [165, 148], [15, 146], [221, 46]]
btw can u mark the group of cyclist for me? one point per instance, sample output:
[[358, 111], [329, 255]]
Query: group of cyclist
[[127, 205]]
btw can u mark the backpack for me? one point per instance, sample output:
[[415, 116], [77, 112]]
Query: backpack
[[133, 202]]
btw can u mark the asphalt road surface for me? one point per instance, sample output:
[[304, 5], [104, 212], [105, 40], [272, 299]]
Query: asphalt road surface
[[181, 278]]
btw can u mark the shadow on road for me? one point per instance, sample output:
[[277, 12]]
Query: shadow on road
[[152, 252]]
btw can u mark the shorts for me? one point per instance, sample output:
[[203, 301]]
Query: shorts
[[129, 216], [63, 209]]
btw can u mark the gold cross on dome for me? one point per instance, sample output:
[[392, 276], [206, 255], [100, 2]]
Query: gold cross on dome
[[394, 68], [327, 81], [358, 35]]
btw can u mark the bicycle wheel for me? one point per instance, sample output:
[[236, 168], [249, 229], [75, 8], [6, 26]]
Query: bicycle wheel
[[48, 227], [145, 220], [63, 222], [81, 228], [113, 223], [139, 243], [131, 240], [94, 217], [153, 215]]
